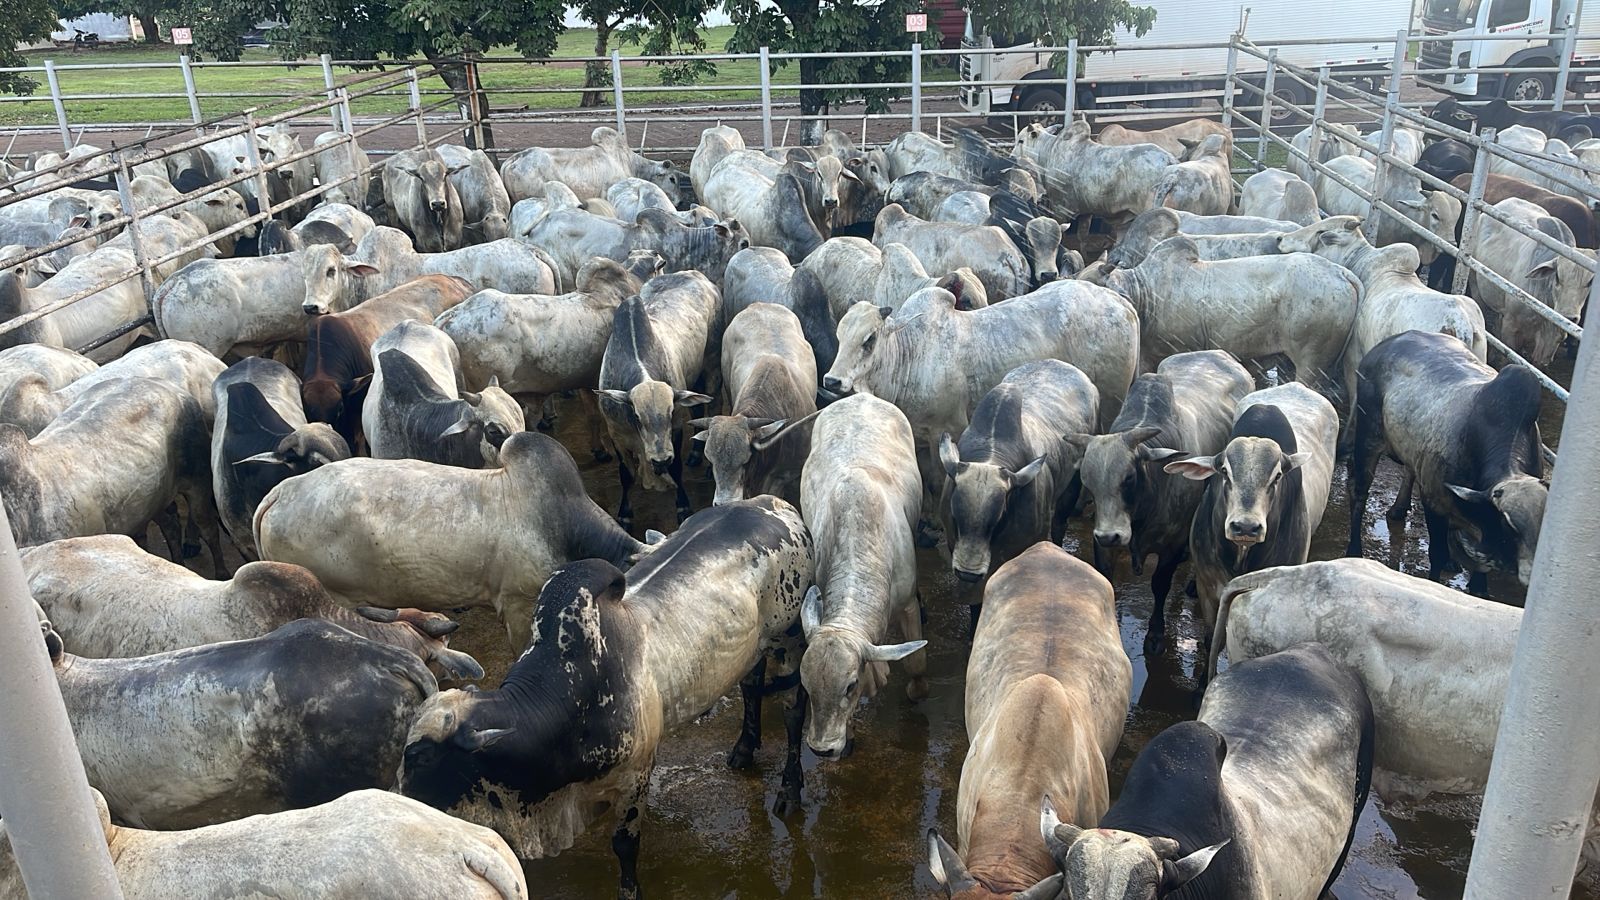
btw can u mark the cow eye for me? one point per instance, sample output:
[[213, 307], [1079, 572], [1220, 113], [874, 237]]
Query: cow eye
[[869, 343], [850, 688]]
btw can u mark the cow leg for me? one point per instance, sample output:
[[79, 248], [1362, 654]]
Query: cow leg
[[794, 725], [516, 613], [625, 507], [1402, 498], [546, 407], [676, 471], [751, 688], [203, 517], [974, 613], [625, 844], [1438, 542], [591, 412], [910, 618], [1155, 638], [171, 532], [1364, 454], [1065, 504], [1478, 584]]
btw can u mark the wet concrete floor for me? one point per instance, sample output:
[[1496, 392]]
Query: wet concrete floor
[[708, 832]]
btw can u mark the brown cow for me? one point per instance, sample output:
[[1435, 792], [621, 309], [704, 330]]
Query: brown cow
[[339, 346], [1180, 140], [1573, 212]]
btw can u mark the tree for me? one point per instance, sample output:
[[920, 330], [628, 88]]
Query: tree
[[145, 11], [25, 22], [1092, 22], [659, 27], [827, 26]]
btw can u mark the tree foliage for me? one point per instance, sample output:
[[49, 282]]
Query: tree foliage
[[146, 11], [1092, 22], [24, 22]]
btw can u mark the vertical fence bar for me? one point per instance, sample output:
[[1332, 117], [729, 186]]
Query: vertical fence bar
[[1546, 763], [327, 81], [1397, 66], [190, 91], [416, 107], [475, 104], [1469, 215], [1230, 82], [343, 96], [1070, 99], [766, 100], [61, 108], [1568, 44], [55, 832], [616, 94], [1267, 87], [135, 241], [1318, 110], [263, 191], [916, 86]]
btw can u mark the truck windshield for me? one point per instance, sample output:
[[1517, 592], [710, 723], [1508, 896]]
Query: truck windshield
[[1464, 12]]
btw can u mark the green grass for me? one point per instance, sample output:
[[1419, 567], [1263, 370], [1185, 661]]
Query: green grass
[[235, 83]]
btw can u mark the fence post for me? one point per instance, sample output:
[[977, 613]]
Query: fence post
[[50, 817], [916, 86], [344, 110], [1380, 176], [1267, 87], [476, 107], [1469, 215], [125, 196], [1230, 82], [263, 191], [1568, 42], [766, 100], [616, 93], [1546, 763], [1069, 103], [61, 108], [416, 108], [191, 92], [327, 81], [1318, 110]]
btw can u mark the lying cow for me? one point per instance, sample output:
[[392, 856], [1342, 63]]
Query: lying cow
[[1151, 227], [118, 601], [619, 662], [79, 323], [1276, 472], [1009, 482], [1048, 685], [260, 438], [1210, 809], [1470, 436], [1185, 407], [339, 521]]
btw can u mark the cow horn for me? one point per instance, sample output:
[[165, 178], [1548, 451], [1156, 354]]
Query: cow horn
[[776, 436], [811, 611], [946, 865], [461, 426], [480, 738], [1044, 890], [267, 457], [457, 666], [377, 614], [438, 628]]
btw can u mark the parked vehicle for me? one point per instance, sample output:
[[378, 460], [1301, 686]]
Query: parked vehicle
[[1539, 19]]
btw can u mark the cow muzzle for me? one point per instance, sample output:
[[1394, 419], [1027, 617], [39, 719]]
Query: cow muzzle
[[970, 577], [437, 205], [314, 309], [1110, 538], [831, 203], [660, 466], [1247, 532]]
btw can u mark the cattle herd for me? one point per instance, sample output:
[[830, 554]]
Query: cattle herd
[[869, 349]]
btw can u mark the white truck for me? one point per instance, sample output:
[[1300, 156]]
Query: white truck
[[1519, 17], [1175, 78]]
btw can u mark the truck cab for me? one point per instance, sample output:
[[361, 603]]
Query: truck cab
[[1442, 18]]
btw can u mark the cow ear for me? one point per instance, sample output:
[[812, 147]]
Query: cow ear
[[949, 454], [765, 432], [653, 537], [1158, 454], [1048, 889], [1468, 494], [494, 382], [613, 395], [79, 221], [1058, 835], [461, 426], [1195, 468], [1545, 267], [1078, 439], [360, 383], [689, 398], [214, 201], [891, 652], [1175, 875], [849, 175], [473, 398], [885, 312], [699, 423], [1025, 475], [811, 611], [1296, 460], [361, 270]]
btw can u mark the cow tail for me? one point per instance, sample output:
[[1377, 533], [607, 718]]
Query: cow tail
[[157, 300], [1364, 761], [1219, 638]]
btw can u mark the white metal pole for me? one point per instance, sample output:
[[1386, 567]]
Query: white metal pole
[[1386, 136], [766, 99], [1230, 82], [1469, 215], [916, 86], [135, 240], [253, 156], [1070, 99], [61, 108], [1267, 87], [416, 108], [1568, 43], [616, 94], [327, 81], [189, 89], [1318, 110], [44, 797], [1546, 759]]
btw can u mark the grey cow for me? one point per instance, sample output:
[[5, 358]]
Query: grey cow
[[417, 188], [485, 205], [946, 246]]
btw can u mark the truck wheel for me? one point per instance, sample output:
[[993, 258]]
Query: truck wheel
[[1527, 88], [1043, 102], [1293, 92]]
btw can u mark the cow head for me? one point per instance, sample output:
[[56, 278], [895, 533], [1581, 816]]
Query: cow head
[[1107, 863], [731, 442], [302, 450], [326, 400], [1147, 230], [1044, 239], [646, 410], [979, 496], [1452, 113], [860, 331], [1515, 505], [433, 176], [1336, 238], [31, 273], [331, 278], [838, 669], [492, 227], [1252, 470], [871, 170], [425, 633], [1116, 470], [1433, 210], [667, 176], [501, 417], [1553, 278]]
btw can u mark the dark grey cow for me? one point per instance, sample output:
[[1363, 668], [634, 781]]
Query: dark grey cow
[[417, 189], [616, 663], [1185, 406], [1470, 435], [1276, 471], [1215, 808], [1010, 481], [291, 719], [261, 437], [422, 421]]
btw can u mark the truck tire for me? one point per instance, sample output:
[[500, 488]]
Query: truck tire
[[1527, 87], [1042, 102], [1289, 91]]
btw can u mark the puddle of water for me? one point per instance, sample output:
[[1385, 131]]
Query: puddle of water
[[708, 832]]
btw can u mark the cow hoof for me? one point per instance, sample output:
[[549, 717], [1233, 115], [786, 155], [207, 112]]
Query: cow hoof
[[601, 456], [787, 802], [742, 756], [928, 536], [917, 689], [1155, 643], [190, 551]]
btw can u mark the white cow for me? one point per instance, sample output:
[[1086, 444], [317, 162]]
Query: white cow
[[31, 405], [1278, 195], [1201, 184], [1432, 211], [946, 246], [84, 320], [1083, 177], [1556, 281]]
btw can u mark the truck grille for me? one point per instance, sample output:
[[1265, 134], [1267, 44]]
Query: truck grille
[[1434, 55], [966, 61]]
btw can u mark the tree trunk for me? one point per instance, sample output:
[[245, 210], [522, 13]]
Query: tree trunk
[[812, 103], [454, 75], [594, 73], [147, 24]]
